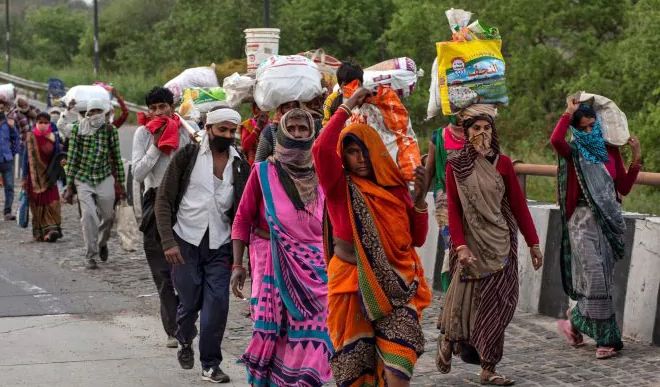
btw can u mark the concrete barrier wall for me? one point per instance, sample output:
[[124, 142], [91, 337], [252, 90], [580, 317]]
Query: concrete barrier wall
[[636, 277]]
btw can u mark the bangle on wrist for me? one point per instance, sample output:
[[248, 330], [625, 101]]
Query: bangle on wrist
[[421, 210], [237, 267], [461, 247], [345, 108]]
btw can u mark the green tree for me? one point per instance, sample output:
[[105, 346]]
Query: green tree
[[344, 28], [52, 34]]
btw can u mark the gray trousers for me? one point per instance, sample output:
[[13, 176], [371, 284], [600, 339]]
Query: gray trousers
[[97, 203]]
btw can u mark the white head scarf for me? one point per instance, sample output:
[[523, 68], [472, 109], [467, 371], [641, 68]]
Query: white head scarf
[[222, 115], [90, 124]]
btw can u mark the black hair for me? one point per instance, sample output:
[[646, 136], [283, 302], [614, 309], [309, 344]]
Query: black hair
[[349, 71], [43, 115], [158, 95], [584, 111]]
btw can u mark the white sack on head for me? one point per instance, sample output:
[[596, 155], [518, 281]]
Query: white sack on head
[[282, 79], [612, 120]]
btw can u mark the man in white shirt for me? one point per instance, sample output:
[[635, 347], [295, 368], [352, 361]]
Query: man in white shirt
[[195, 207], [149, 162]]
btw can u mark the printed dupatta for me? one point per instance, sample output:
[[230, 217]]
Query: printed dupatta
[[295, 274], [600, 193]]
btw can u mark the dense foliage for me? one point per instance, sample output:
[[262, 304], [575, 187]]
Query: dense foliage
[[552, 48]]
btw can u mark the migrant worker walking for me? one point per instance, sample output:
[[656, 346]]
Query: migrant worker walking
[[195, 207], [251, 130], [376, 285], [154, 146], [592, 179], [10, 144], [283, 204], [347, 72], [42, 168], [485, 207], [266, 144], [95, 171]]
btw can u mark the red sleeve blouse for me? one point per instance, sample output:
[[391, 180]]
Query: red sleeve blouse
[[517, 202]]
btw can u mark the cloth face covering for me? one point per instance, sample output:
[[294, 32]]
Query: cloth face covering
[[481, 143], [219, 143], [591, 144]]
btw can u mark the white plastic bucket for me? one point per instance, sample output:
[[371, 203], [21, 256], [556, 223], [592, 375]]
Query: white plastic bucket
[[260, 44]]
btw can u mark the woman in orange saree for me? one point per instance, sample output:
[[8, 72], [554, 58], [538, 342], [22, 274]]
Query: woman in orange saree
[[376, 285]]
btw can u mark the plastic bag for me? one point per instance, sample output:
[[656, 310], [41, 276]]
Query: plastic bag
[[612, 120], [399, 74], [238, 88], [127, 227], [201, 99], [282, 79], [23, 218], [327, 65], [433, 108], [385, 113], [470, 72], [7, 92], [83, 93], [193, 77]]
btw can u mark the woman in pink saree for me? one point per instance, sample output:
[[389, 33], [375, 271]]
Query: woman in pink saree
[[281, 216]]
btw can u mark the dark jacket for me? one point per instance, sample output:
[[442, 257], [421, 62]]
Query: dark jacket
[[174, 186]]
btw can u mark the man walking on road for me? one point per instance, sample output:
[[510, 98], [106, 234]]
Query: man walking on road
[[151, 156], [93, 161], [194, 215], [9, 146]]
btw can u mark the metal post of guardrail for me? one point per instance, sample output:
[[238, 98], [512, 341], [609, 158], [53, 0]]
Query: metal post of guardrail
[[7, 37]]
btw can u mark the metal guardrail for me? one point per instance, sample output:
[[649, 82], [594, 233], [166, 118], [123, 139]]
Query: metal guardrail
[[523, 170], [37, 87]]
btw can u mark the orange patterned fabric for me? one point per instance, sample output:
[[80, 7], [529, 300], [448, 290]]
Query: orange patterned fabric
[[375, 306]]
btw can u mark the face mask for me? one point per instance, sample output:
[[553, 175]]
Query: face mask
[[481, 142], [24, 110], [42, 127], [220, 144], [96, 121], [54, 118]]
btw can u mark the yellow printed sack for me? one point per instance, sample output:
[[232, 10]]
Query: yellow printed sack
[[470, 72]]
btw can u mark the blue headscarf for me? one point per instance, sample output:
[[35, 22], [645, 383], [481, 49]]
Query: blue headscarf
[[591, 145]]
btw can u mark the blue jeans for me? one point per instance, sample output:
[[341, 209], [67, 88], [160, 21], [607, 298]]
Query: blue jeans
[[7, 171], [202, 284]]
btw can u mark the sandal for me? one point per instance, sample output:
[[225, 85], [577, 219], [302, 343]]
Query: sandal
[[443, 357], [603, 353], [497, 380], [572, 338]]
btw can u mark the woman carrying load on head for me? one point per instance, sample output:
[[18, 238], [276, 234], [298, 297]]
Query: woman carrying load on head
[[376, 285], [591, 180], [486, 206], [281, 217]]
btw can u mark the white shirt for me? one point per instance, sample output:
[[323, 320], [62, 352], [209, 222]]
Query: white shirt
[[207, 200], [148, 162]]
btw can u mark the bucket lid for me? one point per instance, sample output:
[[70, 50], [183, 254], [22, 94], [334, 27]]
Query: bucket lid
[[262, 30]]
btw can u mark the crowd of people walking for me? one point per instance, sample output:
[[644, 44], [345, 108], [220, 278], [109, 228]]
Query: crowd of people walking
[[314, 210]]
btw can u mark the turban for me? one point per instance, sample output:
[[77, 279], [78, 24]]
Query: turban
[[222, 115]]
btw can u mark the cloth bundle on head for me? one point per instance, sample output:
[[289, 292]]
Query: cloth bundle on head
[[223, 115], [293, 160], [478, 109], [169, 125], [91, 123]]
